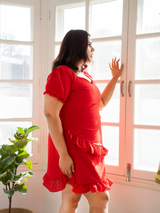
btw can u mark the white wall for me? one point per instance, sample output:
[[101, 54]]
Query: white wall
[[130, 199]]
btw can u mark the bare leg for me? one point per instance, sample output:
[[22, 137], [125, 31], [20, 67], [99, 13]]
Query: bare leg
[[69, 200], [98, 201]]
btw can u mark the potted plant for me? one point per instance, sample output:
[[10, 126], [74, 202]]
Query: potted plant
[[11, 157]]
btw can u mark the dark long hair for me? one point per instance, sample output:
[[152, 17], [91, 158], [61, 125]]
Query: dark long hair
[[73, 49]]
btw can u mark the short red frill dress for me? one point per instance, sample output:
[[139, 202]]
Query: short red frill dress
[[82, 131]]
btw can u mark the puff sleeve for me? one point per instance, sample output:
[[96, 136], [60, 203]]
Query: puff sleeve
[[59, 83]]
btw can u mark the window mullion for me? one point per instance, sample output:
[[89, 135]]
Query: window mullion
[[130, 77], [87, 16]]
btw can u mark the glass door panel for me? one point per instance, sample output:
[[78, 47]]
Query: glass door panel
[[147, 59], [147, 104], [66, 19], [16, 23], [146, 149], [143, 104], [104, 52], [19, 68], [15, 100], [148, 17], [111, 112], [110, 137], [16, 62], [106, 18], [57, 48]]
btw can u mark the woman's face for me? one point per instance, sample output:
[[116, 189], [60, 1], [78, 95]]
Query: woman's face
[[90, 50]]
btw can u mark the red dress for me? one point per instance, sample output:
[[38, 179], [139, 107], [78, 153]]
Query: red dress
[[82, 131]]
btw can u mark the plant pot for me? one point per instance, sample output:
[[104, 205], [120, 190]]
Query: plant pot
[[16, 210]]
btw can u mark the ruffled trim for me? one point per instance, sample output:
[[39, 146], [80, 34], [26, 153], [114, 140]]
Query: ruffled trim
[[95, 149], [100, 186], [55, 185], [59, 184], [53, 95]]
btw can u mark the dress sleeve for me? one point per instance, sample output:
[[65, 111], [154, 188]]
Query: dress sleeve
[[59, 83]]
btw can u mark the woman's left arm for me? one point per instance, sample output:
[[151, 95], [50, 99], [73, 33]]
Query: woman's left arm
[[109, 89]]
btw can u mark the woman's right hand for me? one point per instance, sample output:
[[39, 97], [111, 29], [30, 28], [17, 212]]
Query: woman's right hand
[[66, 165], [114, 67]]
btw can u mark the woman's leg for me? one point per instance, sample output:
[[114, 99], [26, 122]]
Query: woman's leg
[[69, 200], [98, 201]]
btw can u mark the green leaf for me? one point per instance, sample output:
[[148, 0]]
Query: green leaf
[[21, 188], [7, 161], [30, 129], [21, 130], [30, 174], [25, 130], [19, 160], [24, 154], [13, 148], [3, 174], [12, 168], [29, 164], [24, 179], [17, 178], [1, 152], [9, 193], [21, 144], [9, 177], [8, 150], [22, 175], [3, 181], [4, 147], [27, 174], [5, 154], [11, 140]]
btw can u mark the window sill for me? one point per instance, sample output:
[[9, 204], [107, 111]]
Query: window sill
[[134, 182]]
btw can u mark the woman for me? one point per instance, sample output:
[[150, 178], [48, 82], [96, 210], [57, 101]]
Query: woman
[[72, 104]]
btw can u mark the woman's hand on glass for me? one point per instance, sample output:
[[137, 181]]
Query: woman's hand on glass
[[116, 71]]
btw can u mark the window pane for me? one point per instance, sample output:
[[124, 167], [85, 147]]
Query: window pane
[[110, 136], [15, 23], [57, 49], [148, 16], [104, 52], [147, 59], [147, 104], [16, 62], [66, 19], [8, 129], [106, 18], [15, 100], [111, 112], [146, 149]]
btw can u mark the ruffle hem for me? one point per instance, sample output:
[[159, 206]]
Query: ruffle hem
[[59, 184]]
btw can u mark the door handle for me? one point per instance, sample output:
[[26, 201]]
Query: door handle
[[129, 88], [122, 88]]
